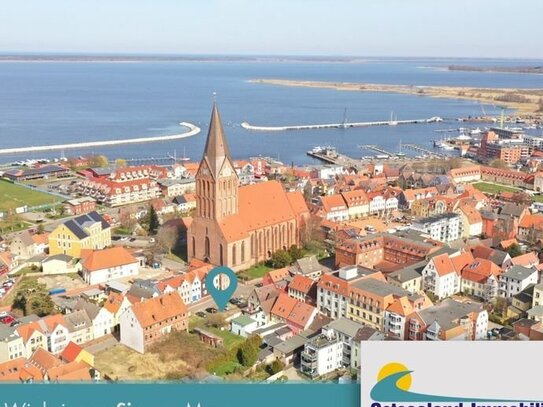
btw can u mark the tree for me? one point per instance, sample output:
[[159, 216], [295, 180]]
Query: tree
[[281, 258], [521, 198], [33, 298], [216, 321], [40, 229], [248, 351], [514, 250], [98, 161], [295, 252], [120, 162], [275, 367], [154, 223], [168, 237], [498, 163]]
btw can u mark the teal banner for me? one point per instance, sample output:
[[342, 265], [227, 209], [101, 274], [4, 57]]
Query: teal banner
[[179, 395]]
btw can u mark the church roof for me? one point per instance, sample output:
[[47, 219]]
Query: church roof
[[216, 150], [261, 205]]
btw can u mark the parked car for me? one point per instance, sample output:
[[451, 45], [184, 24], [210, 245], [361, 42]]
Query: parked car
[[7, 320], [211, 310], [201, 314]]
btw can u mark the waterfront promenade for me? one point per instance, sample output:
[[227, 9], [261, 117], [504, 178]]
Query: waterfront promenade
[[192, 131]]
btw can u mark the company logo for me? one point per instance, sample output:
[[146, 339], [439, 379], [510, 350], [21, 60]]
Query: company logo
[[394, 382]]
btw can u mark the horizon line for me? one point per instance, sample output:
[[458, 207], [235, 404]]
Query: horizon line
[[144, 54]]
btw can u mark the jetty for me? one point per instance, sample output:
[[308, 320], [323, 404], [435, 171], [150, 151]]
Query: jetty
[[330, 156], [344, 125], [192, 131], [376, 149], [420, 149]]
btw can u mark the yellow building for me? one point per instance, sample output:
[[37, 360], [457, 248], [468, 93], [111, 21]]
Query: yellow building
[[88, 231]]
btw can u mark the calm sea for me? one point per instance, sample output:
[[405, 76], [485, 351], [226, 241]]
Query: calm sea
[[60, 102]]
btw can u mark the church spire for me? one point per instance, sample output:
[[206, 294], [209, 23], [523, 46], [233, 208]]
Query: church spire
[[216, 149]]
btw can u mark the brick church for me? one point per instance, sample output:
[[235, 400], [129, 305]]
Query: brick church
[[239, 226]]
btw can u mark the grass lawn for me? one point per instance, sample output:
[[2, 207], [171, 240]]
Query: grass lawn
[[494, 188], [14, 196], [26, 270], [257, 271], [10, 226], [537, 198], [230, 340]]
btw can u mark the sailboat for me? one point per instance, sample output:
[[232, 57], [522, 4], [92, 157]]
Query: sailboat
[[393, 121], [400, 153]]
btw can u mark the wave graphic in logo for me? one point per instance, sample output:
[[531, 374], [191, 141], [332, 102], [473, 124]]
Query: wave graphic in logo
[[394, 381]]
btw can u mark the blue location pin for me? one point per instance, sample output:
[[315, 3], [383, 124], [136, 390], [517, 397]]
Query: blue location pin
[[221, 297]]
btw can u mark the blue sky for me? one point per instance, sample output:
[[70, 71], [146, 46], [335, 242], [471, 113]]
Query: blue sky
[[471, 28]]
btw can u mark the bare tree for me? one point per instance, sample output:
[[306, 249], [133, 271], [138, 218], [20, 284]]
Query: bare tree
[[167, 237]]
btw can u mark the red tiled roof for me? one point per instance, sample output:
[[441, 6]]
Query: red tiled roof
[[283, 306], [71, 352], [94, 260], [301, 283], [159, 309]]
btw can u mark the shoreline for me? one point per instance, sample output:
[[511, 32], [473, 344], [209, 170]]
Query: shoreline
[[523, 101]]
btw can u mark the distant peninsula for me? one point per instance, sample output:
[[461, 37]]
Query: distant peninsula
[[524, 101], [498, 69]]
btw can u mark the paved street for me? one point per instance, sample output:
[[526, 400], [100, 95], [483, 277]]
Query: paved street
[[101, 344]]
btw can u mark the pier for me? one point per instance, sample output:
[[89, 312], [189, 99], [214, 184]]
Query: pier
[[327, 156], [420, 149], [377, 149], [192, 131], [248, 126]]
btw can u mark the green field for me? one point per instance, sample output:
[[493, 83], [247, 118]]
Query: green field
[[14, 196], [257, 271], [494, 188]]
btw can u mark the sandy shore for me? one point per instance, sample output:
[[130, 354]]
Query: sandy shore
[[524, 101]]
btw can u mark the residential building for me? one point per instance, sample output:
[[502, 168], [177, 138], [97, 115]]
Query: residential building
[[441, 275], [80, 206], [239, 226], [127, 185], [322, 355], [297, 315], [147, 322], [26, 245], [357, 203], [450, 320], [481, 279], [334, 208], [303, 289], [368, 300], [393, 250], [80, 328], [90, 231], [100, 266], [11, 344], [443, 228], [307, 266], [408, 278], [176, 187], [516, 280]]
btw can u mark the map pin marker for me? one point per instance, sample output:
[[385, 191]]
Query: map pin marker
[[221, 296]]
